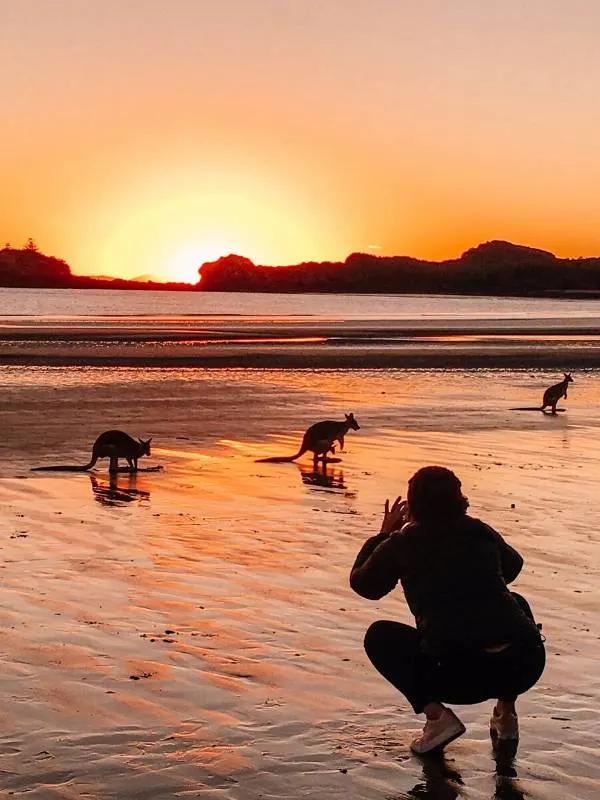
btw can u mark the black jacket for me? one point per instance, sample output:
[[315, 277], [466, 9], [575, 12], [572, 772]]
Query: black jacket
[[454, 578]]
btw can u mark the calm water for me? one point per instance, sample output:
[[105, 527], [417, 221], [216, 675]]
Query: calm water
[[65, 304]]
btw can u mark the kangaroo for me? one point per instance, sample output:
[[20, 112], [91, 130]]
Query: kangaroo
[[319, 439], [113, 445], [553, 393]]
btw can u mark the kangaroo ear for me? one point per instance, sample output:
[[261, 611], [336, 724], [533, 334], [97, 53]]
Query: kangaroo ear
[[141, 441], [349, 416], [149, 440]]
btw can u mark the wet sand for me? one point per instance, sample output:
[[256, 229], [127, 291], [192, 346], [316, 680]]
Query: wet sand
[[301, 342], [191, 632]]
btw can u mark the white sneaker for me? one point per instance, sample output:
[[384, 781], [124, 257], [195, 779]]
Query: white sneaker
[[504, 727], [438, 733]]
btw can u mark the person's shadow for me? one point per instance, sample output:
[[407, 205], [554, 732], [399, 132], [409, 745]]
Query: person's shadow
[[322, 476], [119, 490]]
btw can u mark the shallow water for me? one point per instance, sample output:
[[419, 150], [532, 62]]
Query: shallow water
[[53, 304]]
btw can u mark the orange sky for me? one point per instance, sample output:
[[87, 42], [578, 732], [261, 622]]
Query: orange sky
[[143, 137]]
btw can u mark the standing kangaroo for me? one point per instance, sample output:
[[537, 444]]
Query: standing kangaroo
[[319, 439], [553, 393], [113, 445]]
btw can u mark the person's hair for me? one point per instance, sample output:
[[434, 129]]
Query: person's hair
[[434, 495]]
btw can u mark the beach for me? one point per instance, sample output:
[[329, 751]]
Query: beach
[[232, 230], [191, 632]]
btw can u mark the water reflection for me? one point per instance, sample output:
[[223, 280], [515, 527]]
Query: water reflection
[[440, 781], [504, 756], [507, 789], [118, 490], [322, 476]]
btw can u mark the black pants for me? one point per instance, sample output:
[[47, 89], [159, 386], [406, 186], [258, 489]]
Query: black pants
[[463, 677]]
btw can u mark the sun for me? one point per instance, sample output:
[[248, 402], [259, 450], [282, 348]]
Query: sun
[[183, 264]]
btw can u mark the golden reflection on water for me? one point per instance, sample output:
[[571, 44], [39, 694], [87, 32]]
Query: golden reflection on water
[[238, 340]]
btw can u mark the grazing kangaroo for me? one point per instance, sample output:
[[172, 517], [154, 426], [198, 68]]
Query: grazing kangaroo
[[553, 393], [319, 439], [113, 445]]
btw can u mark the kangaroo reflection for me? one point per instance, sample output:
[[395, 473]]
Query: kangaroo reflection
[[322, 476], [118, 490]]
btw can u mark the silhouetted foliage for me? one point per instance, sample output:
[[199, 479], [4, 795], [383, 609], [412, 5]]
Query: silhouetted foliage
[[27, 267], [497, 267]]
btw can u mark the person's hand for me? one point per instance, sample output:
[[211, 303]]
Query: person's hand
[[394, 517]]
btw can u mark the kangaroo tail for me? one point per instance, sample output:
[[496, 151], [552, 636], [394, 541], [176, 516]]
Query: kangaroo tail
[[536, 408], [527, 408], [282, 459], [278, 459], [66, 467]]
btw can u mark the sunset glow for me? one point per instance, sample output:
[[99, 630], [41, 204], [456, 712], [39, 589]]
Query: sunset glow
[[183, 265], [144, 138]]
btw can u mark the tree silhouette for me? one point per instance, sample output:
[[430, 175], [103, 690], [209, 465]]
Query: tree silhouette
[[497, 268]]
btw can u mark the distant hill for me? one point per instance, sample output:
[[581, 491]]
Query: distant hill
[[146, 279], [499, 268], [495, 267]]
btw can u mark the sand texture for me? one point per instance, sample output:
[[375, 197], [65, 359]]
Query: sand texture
[[191, 633]]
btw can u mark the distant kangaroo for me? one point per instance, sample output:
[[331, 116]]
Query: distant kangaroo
[[553, 393], [319, 439], [113, 445]]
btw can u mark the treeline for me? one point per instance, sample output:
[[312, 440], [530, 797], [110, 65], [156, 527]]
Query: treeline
[[26, 267], [497, 267]]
